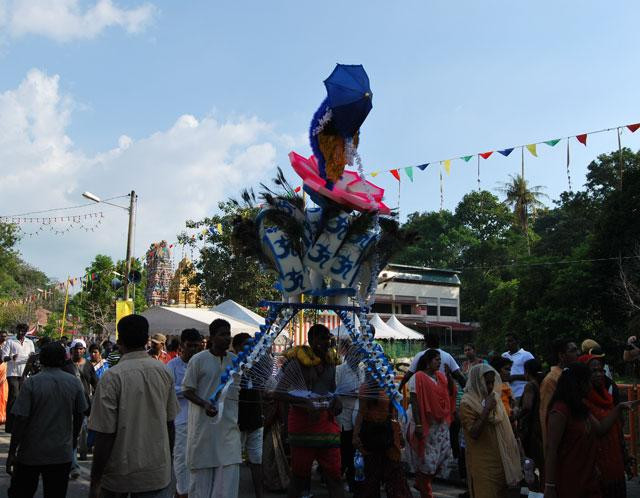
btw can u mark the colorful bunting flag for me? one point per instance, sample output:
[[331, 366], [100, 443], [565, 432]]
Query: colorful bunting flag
[[506, 152], [447, 166], [409, 171], [395, 174], [552, 143], [633, 127], [219, 227], [423, 166], [486, 155], [466, 159], [297, 189], [374, 173], [532, 148], [582, 139]]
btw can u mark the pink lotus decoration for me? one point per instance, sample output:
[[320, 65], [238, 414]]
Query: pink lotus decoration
[[350, 190]]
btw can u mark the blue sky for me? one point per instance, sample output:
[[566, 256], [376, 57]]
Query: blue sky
[[189, 102]]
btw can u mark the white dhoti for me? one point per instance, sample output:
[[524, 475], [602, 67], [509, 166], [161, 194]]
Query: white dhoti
[[215, 482], [180, 460]]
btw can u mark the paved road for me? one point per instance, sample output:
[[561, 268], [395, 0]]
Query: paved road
[[79, 488]]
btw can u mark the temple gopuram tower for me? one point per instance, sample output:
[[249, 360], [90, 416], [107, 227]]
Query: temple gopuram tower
[[181, 292], [159, 274]]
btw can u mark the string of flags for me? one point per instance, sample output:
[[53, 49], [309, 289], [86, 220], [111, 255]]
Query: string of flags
[[532, 148], [48, 220], [57, 225]]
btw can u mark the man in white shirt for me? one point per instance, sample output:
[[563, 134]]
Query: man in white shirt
[[518, 357], [16, 352], [189, 345], [447, 361], [213, 450]]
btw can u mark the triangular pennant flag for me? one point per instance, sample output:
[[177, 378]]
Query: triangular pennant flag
[[447, 166], [633, 127], [219, 227], [552, 143], [374, 173], [423, 166], [395, 174], [409, 171], [532, 148], [486, 155], [506, 152], [582, 139], [466, 159]]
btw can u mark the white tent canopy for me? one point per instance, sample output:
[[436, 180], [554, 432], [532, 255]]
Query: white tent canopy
[[171, 320], [397, 325], [239, 312], [383, 331]]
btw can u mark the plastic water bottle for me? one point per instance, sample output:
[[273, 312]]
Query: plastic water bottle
[[529, 471], [358, 465]]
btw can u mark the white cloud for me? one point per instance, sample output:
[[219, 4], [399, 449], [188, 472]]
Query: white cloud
[[66, 20], [179, 173]]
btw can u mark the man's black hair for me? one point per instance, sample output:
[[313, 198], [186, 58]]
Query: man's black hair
[[94, 347], [216, 325], [237, 340], [513, 336], [499, 362], [190, 335], [317, 329], [560, 346], [470, 345], [534, 368], [52, 355], [426, 358], [174, 343], [569, 389], [133, 331], [432, 340], [22, 327]]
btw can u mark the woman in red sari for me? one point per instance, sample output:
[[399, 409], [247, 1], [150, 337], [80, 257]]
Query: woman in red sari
[[428, 428], [4, 386], [611, 450], [571, 451]]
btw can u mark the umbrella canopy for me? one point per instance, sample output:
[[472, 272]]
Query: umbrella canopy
[[396, 324], [349, 97]]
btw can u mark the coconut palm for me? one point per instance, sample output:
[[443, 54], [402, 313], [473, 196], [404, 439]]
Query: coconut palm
[[523, 199]]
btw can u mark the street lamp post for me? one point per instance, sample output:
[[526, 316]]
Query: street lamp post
[[132, 217]]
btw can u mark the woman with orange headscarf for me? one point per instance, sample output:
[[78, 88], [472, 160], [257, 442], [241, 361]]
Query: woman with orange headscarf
[[428, 428]]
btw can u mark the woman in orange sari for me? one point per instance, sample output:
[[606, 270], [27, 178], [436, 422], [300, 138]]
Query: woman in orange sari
[[4, 386], [612, 455], [428, 428]]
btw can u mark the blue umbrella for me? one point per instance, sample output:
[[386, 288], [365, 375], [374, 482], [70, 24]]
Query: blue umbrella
[[349, 97]]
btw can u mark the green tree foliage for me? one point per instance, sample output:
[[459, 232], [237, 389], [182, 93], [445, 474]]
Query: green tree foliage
[[94, 305], [17, 278], [581, 277], [220, 274]]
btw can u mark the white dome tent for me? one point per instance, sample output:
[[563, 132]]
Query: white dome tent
[[397, 325]]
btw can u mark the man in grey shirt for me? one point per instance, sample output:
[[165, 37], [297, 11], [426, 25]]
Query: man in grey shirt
[[47, 417]]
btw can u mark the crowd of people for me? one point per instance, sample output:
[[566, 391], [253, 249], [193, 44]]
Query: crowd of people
[[144, 411]]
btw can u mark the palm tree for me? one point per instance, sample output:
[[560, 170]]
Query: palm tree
[[523, 200]]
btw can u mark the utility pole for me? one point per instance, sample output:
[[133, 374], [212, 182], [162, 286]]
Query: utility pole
[[132, 222]]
